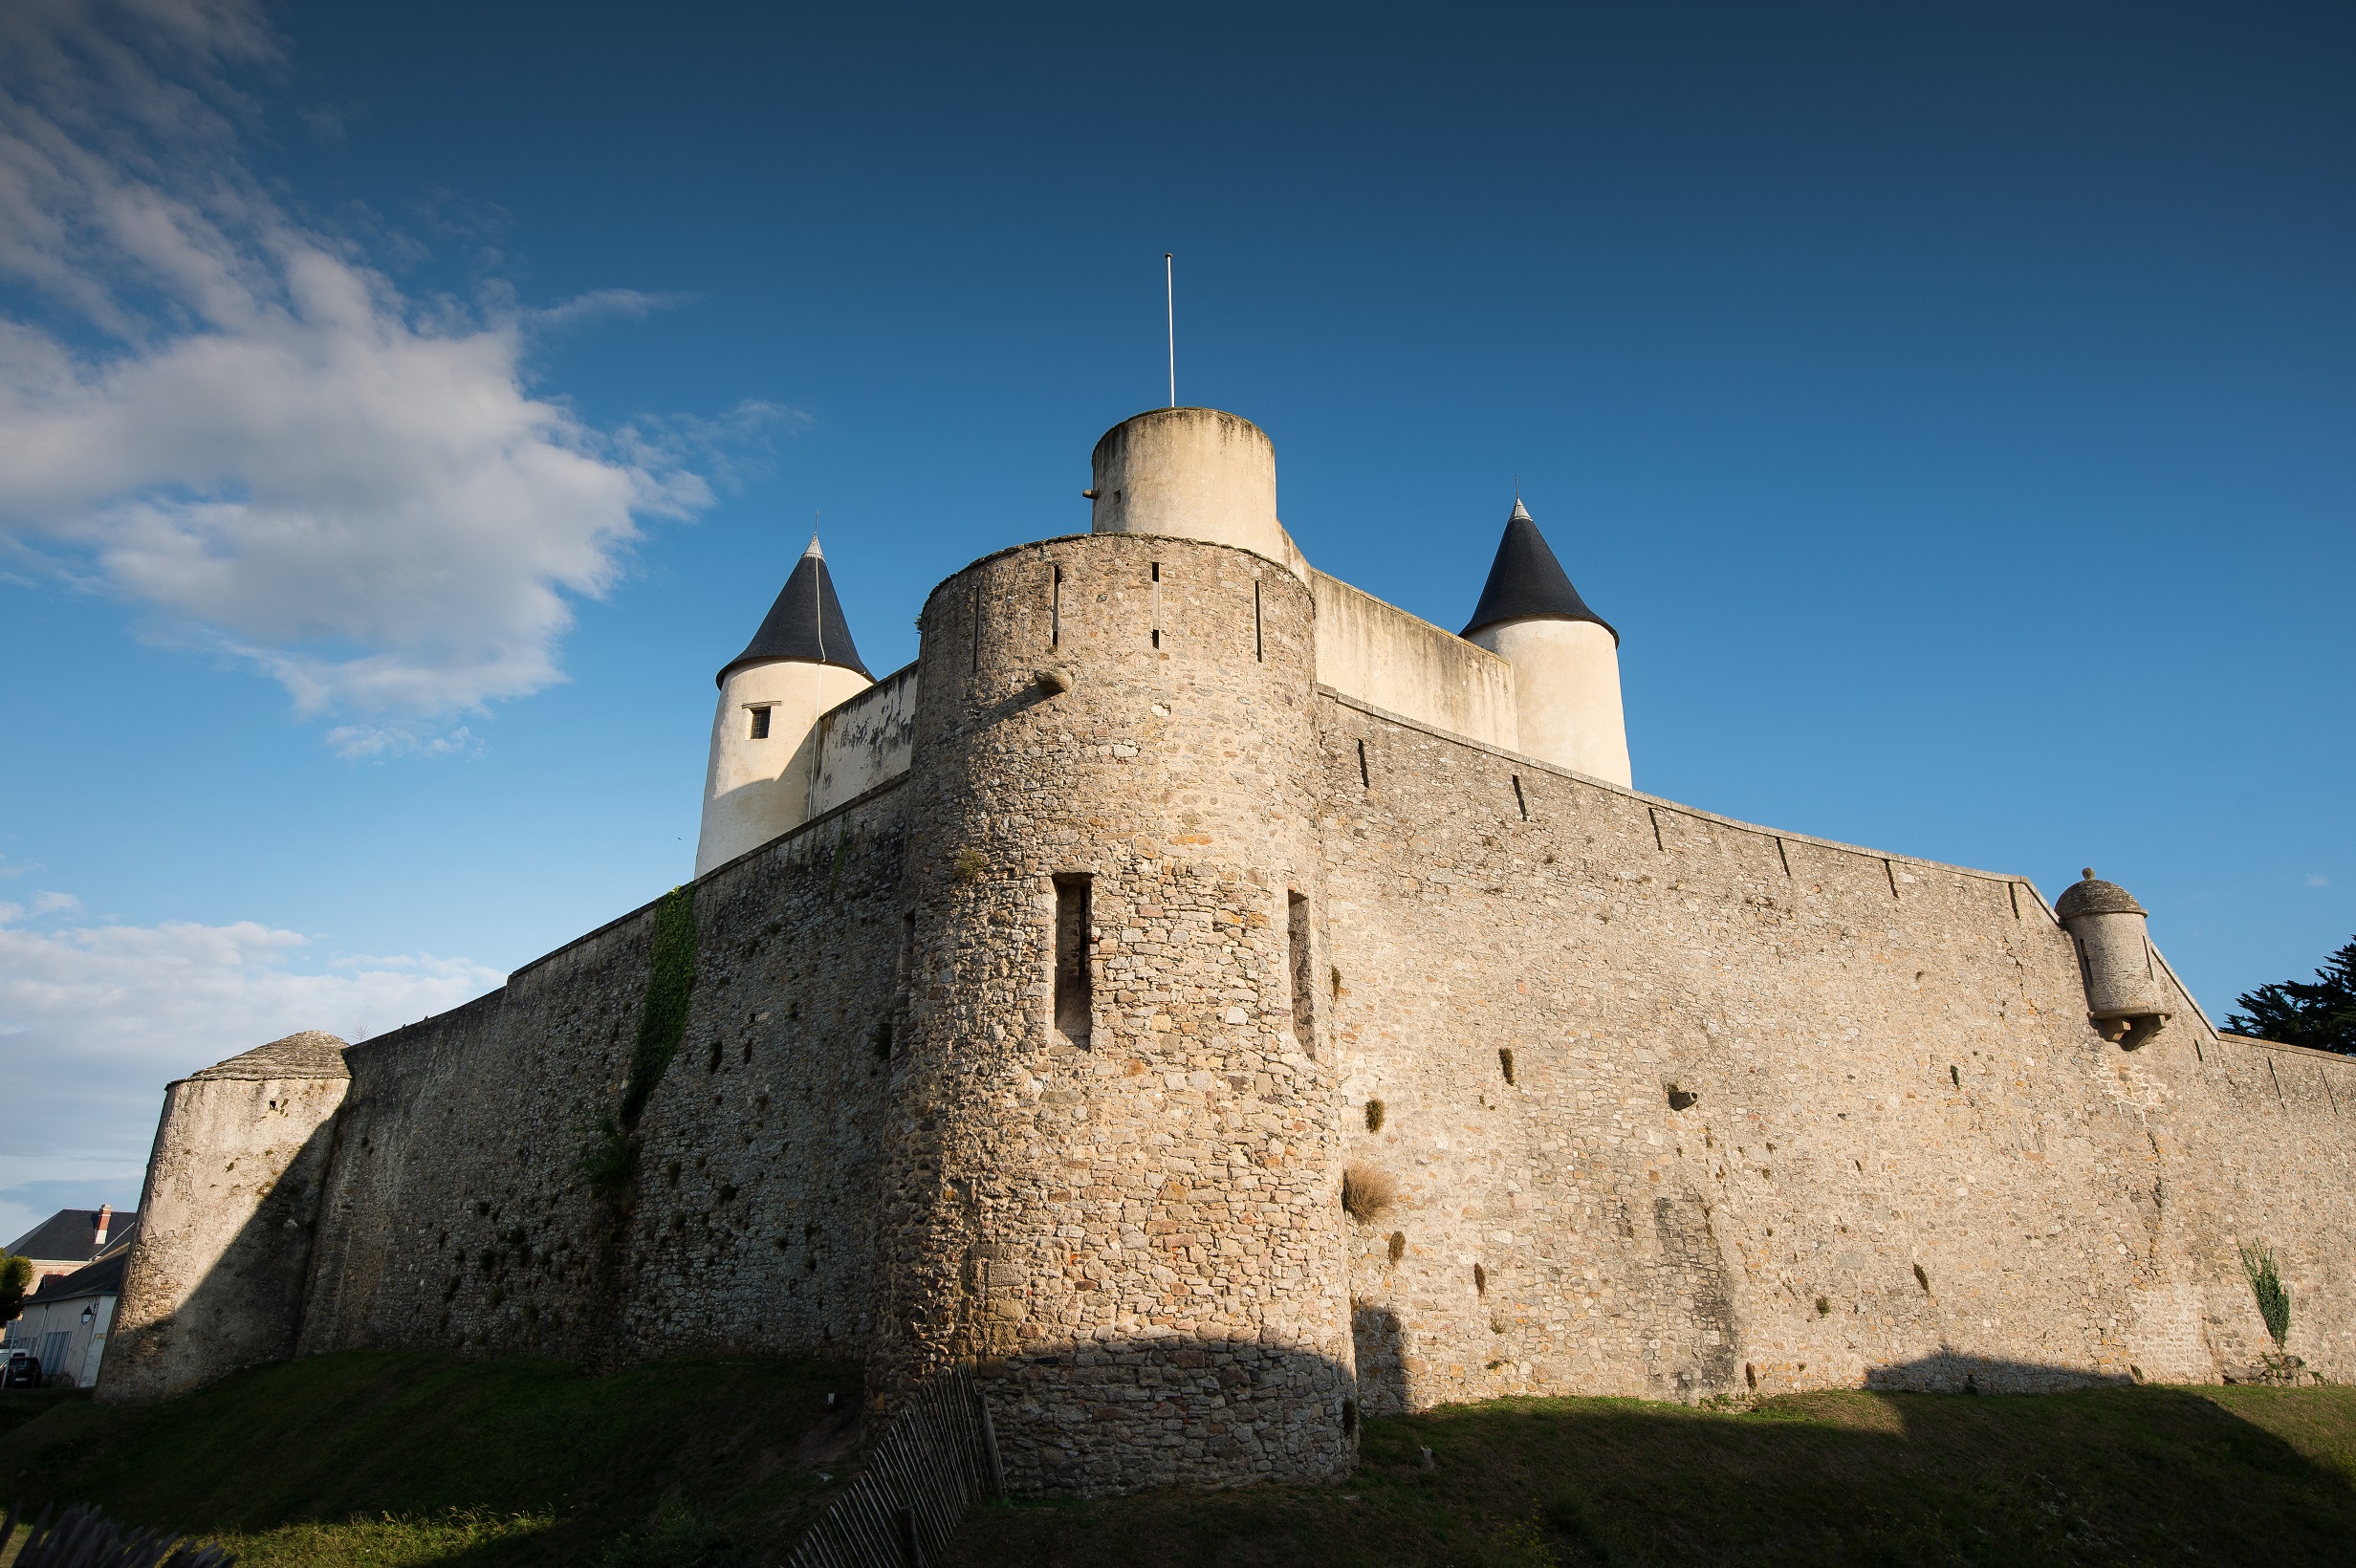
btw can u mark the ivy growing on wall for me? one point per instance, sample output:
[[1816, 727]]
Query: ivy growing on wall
[[662, 1018], [610, 1162]]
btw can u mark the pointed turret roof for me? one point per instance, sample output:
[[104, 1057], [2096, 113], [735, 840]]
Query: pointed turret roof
[[805, 624], [1526, 583]]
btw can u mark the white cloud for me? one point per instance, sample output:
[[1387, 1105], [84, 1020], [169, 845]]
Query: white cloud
[[96, 1019], [46, 904], [230, 418]]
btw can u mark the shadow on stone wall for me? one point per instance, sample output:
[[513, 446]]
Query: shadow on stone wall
[[245, 1309], [1951, 1371], [2108, 1475], [1382, 1349], [1094, 1419]]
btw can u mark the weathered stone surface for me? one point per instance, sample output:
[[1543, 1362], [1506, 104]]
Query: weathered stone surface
[[1676, 1107], [215, 1279]]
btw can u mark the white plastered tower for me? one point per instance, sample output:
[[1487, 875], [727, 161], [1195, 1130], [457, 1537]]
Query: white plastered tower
[[1566, 657], [1192, 473], [765, 731]]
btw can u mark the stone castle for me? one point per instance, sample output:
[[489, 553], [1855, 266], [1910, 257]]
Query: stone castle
[[1210, 1003]]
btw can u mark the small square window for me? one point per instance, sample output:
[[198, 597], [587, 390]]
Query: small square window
[[760, 724]]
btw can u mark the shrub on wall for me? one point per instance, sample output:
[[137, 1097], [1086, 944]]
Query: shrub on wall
[[2273, 1302], [1366, 1192], [610, 1159]]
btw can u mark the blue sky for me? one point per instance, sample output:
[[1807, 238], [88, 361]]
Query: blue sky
[[404, 410]]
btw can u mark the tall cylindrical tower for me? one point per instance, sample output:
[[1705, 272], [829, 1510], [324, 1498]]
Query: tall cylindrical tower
[[764, 733], [1566, 657], [1115, 1175]]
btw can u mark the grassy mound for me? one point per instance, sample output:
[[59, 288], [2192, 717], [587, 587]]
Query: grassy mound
[[395, 1457], [2254, 1475]]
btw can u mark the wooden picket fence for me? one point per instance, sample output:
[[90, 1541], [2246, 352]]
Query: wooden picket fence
[[936, 1455], [83, 1537]]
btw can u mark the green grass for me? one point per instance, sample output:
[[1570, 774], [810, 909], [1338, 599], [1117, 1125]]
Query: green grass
[[2124, 1475], [387, 1458], [382, 1459]]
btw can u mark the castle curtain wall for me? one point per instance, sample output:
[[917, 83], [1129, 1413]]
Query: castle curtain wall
[[461, 1210], [1675, 1106], [1781, 1114]]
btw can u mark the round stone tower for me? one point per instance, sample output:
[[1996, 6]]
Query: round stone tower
[[764, 733], [2124, 997], [1115, 1181], [1566, 657], [215, 1279]]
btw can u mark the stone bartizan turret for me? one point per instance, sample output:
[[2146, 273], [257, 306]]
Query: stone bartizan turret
[[1566, 657], [764, 735], [2125, 997]]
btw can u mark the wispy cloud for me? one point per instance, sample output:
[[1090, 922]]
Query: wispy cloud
[[230, 418], [94, 1019]]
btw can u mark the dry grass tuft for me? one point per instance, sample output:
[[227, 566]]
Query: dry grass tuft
[[1367, 1192]]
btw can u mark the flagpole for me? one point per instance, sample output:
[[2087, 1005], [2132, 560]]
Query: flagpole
[[1169, 301]]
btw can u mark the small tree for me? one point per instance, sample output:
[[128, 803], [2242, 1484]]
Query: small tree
[[15, 1279], [2321, 1015], [2273, 1302]]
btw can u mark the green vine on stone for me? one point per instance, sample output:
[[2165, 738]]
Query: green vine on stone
[[610, 1157], [662, 1018], [2273, 1302], [610, 1162]]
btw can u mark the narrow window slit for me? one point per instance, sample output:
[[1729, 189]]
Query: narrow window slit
[[1074, 1009], [1521, 800], [1259, 641], [1054, 611], [1297, 943], [1365, 780]]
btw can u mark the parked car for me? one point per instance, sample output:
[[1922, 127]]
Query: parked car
[[21, 1370]]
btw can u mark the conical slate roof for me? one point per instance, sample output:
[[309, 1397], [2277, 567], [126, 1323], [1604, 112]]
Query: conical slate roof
[[1525, 582], [805, 624]]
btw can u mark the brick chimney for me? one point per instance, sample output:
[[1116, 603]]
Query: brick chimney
[[106, 1217]]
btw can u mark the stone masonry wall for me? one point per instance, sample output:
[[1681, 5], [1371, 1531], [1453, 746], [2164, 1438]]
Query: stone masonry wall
[[1132, 1226], [215, 1278], [1781, 1114], [1674, 1105], [458, 1213]]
